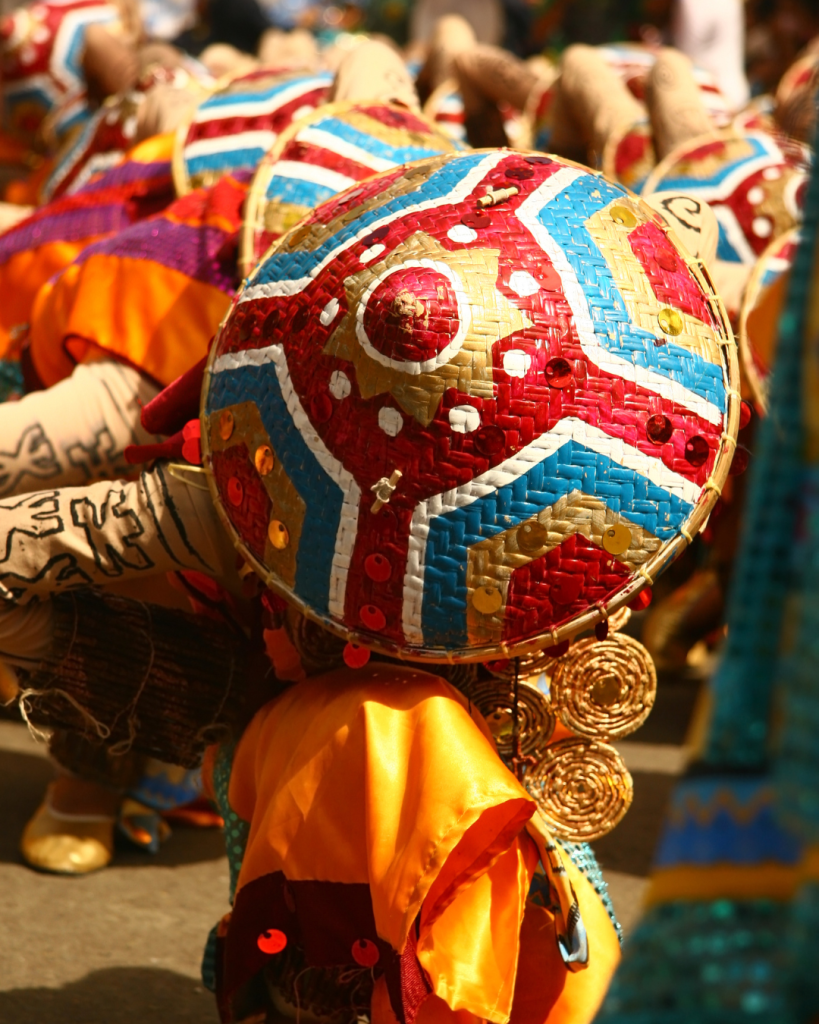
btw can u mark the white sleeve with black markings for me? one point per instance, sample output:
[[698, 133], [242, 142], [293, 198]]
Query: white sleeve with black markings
[[111, 531], [75, 432]]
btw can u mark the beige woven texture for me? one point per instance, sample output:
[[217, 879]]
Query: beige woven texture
[[675, 102]]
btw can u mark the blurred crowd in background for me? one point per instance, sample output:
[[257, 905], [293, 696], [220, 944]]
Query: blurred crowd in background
[[774, 31]]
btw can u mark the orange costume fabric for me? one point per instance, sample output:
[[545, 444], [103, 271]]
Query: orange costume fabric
[[384, 827], [48, 241], [152, 296]]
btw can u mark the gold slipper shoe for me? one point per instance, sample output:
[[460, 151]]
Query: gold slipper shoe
[[67, 844]]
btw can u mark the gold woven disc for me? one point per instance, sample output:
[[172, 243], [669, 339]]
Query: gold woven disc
[[495, 700], [603, 689], [582, 787]]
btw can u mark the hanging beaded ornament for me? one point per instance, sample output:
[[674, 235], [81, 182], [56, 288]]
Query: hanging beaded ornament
[[234, 128], [754, 182], [470, 408], [324, 153], [759, 316], [41, 52]]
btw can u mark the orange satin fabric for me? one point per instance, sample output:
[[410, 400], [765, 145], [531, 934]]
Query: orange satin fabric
[[386, 776], [27, 271], [378, 776], [157, 318]]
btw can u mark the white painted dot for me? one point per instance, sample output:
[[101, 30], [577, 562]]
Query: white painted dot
[[129, 127], [756, 195], [772, 173], [390, 420], [761, 227], [340, 385], [464, 419], [40, 35], [516, 362], [328, 314], [28, 55], [369, 254], [522, 283], [461, 233]]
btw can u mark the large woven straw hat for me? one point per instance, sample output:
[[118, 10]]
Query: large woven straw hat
[[235, 126], [325, 152], [754, 182], [41, 52], [470, 407]]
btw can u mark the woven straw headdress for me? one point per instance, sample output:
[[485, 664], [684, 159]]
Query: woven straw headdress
[[470, 407]]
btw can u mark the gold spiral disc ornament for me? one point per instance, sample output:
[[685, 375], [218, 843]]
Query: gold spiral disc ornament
[[604, 688], [495, 699], [582, 787]]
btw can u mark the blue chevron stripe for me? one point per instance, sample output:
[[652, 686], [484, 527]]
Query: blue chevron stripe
[[565, 218], [322, 497], [292, 266], [372, 144], [226, 159], [270, 93], [690, 183], [295, 190], [573, 467]]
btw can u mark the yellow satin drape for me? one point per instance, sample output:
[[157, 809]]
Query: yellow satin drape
[[387, 776]]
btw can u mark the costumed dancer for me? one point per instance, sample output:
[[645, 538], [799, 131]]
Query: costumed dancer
[[142, 307], [733, 905], [462, 414]]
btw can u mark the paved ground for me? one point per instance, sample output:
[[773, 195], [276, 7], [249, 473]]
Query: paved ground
[[123, 946]]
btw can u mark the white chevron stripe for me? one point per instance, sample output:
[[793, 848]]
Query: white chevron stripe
[[275, 289], [313, 173], [341, 147], [230, 143], [528, 214], [568, 429]]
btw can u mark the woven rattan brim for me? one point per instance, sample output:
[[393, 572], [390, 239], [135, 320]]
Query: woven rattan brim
[[649, 571], [654, 182], [756, 383]]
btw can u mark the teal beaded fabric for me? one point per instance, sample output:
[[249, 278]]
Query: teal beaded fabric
[[236, 828], [745, 810], [11, 380], [236, 831], [703, 963], [583, 858]]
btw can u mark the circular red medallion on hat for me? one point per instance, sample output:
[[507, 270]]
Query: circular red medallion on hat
[[411, 319]]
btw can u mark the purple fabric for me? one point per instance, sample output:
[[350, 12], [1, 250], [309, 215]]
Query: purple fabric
[[126, 173], [193, 251], [65, 226]]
